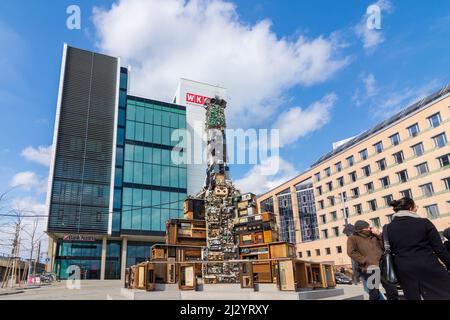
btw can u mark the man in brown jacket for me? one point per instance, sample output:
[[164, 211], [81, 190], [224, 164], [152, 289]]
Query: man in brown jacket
[[365, 246]]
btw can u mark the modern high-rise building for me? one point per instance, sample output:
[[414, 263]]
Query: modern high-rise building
[[114, 177], [407, 155]]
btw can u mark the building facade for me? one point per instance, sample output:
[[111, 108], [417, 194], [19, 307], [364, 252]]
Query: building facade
[[406, 155], [118, 170]]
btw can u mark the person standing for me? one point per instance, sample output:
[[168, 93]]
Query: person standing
[[349, 229], [365, 246], [446, 234], [417, 247]]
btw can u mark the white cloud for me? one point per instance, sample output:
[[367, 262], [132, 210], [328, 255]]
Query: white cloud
[[371, 38], [28, 180], [257, 181], [370, 84], [164, 40], [370, 89], [40, 154], [297, 122]]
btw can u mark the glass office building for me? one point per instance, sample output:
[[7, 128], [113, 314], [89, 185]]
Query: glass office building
[[114, 180]]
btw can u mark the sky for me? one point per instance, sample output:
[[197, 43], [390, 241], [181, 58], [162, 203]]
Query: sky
[[312, 69]]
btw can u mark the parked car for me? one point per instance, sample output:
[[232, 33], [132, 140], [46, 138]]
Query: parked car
[[341, 278]]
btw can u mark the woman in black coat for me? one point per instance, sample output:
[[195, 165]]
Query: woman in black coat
[[417, 248]]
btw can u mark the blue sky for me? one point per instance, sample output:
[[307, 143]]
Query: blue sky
[[407, 59]]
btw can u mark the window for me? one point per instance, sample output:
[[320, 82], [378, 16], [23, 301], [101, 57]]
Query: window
[[390, 217], [395, 139], [418, 149], [366, 170], [351, 161], [345, 213], [358, 209], [328, 172], [353, 176], [432, 211], [317, 176], [402, 176], [300, 255], [398, 157], [372, 205], [339, 249], [375, 223], [323, 219], [363, 154], [328, 251], [332, 201], [385, 182], [378, 147], [414, 130], [330, 186], [318, 252], [422, 168], [321, 205], [435, 120], [308, 253], [444, 160], [446, 183], [369, 187], [427, 189], [340, 181], [325, 234], [336, 231], [319, 190], [355, 192], [440, 140], [382, 164], [338, 166], [333, 215], [388, 199], [406, 193]]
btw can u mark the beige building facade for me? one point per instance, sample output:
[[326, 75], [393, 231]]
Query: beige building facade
[[406, 155]]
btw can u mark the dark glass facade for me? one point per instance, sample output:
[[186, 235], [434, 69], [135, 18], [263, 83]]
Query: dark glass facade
[[287, 225], [307, 211], [138, 252]]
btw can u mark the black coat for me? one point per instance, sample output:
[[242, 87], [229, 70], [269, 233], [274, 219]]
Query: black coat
[[416, 246]]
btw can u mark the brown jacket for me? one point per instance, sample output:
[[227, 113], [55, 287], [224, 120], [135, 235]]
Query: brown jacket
[[366, 250]]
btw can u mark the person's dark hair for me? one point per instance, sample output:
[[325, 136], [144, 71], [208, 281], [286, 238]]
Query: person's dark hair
[[403, 204]]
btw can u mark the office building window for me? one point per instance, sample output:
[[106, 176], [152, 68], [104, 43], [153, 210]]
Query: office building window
[[352, 176], [444, 160], [358, 209], [321, 205], [327, 171], [414, 130], [440, 140], [300, 254], [330, 186], [369, 187], [406, 193], [395, 139], [328, 251], [390, 217], [363, 154], [366, 170], [418, 149], [355, 192], [336, 231], [402, 176], [338, 167], [331, 201], [378, 147], [345, 213], [325, 234], [388, 199], [351, 161], [398, 157], [339, 249], [385, 182], [333, 215], [435, 120], [427, 189], [432, 211], [318, 252], [372, 205], [319, 190], [382, 164], [323, 219], [422, 168], [375, 222], [308, 253], [317, 176], [340, 181], [446, 183]]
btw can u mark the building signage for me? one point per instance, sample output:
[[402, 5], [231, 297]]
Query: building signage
[[195, 99], [78, 237]]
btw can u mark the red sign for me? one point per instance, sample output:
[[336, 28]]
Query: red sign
[[195, 99]]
